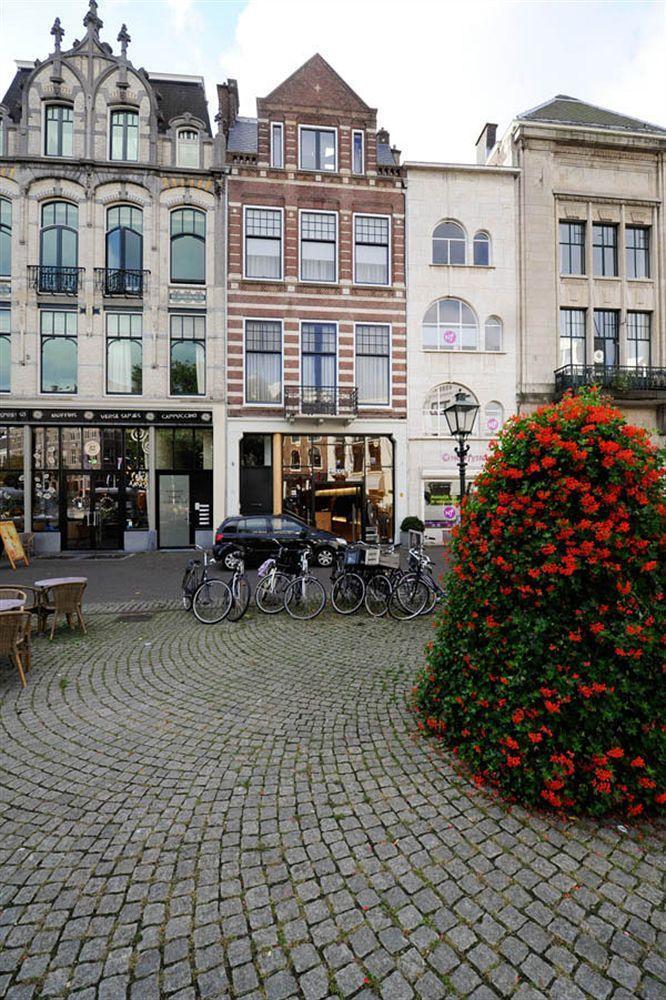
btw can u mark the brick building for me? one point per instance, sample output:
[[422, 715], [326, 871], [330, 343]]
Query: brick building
[[316, 357]]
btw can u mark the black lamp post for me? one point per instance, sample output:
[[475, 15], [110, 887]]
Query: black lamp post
[[460, 416]]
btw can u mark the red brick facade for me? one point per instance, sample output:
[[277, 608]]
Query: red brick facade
[[314, 95]]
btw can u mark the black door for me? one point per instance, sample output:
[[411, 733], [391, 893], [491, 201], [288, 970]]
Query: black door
[[201, 502], [107, 511], [256, 474]]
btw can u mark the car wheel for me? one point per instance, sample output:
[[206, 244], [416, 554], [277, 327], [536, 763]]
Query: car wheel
[[325, 557], [230, 559]]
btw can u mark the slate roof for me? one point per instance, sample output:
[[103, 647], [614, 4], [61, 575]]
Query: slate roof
[[385, 157], [176, 97], [572, 111], [13, 97], [242, 136]]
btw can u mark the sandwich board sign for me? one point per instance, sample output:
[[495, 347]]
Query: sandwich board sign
[[12, 543]]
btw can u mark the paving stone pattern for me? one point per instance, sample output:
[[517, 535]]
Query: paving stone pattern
[[246, 811]]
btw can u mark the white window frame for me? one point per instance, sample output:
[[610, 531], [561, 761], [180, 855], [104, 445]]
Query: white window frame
[[54, 103], [389, 404], [372, 215], [277, 126], [319, 128], [314, 281], [188, 128], [355, 132], [125, 312], [264, 319], [112, 111], [264, 208], [42, 392], [188, 312]]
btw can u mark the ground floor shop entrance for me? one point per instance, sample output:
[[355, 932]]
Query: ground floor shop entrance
[[184, 507]]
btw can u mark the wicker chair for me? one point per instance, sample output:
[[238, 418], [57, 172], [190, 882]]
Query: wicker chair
[[13, 594], [15, 639], [63, 599]]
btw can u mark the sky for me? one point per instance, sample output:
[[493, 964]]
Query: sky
[[436, 70]]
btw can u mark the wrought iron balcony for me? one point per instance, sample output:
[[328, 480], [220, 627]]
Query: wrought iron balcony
[[50, 280], [320, 401], [622, 382], [125, 282]]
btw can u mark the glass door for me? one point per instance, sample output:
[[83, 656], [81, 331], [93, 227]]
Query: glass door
[[107, 517], [173, 501], [79, 532]]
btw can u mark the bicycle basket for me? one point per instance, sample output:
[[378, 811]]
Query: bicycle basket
[[353, 556], [266, 567]]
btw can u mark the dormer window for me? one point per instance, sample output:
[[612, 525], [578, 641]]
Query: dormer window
[[187, 148], [59, 130], [318, 149], [124, 135]]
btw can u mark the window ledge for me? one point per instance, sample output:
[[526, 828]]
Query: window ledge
[[264, 281], [574, 276], [640, 281], [439, 350], [606, 277], [473, 267]]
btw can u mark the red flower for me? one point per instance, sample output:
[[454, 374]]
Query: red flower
[[616, 753], [638, 762]]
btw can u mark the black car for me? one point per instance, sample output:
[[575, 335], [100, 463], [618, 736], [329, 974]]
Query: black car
[[256, 533]]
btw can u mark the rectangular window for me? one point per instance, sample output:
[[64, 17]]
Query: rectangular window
[[318, 355], [373, 364], [5, 350], [358, 152], [639, 330], [124, 135], [59, 130], [637, 240], [606, 337], [124, 353], [604, 250], [187, 355], [319, 246], [371, 250], [59, 351], [277, 145], [572, 248], [263, 243], [263, 361], [572, 337], [318, 149]]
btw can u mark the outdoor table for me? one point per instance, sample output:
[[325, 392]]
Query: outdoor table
[[42, 586], [11, 604]]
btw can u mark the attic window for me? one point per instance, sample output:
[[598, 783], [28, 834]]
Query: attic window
[[318, 149], [187, 148]]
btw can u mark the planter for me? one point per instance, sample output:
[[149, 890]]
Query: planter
[[47, 543], [140, 541]]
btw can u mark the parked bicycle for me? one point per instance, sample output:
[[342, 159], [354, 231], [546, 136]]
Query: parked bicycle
[[275, 575], [239, 586], [305, 597], [416, 592], [212, 599]]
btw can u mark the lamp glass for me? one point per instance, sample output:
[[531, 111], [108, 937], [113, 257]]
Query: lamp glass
[[461, 415]]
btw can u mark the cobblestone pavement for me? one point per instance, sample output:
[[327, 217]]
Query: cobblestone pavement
[[246, 811]]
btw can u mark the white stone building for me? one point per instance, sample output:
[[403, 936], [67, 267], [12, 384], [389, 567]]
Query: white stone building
[[462, 327], [111, 301]]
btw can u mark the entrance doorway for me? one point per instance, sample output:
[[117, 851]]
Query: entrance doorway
[[93, 511], [256, 474], [184, 506]]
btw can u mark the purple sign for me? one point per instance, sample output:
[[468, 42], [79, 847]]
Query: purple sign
[[450, 512], [449, 336], [492, 423]]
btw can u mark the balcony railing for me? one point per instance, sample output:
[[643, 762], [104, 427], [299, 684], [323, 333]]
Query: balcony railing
[[320, 401], [624, 381], [50, 280], [121, 281]]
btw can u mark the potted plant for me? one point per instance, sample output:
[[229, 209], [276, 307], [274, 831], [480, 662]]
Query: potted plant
[[409, 524]]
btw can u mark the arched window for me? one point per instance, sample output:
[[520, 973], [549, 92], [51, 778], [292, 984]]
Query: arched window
[[187, 147], [188, 246], [315, 458], [59, 248], [5, 237], [124, 251], [124, 127], [59, 130], [437, 400], [448, 244], [493, 332], [450, 325], [295, 459], [482, 249], [493, 418]]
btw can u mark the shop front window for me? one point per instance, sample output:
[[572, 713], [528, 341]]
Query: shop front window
[[183, 449], [441, 509], [11, 476]]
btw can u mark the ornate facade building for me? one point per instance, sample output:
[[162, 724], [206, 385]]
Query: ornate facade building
[[111, 300], [316, 358]]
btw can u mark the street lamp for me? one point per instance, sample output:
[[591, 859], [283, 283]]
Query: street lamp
[[460, 416]]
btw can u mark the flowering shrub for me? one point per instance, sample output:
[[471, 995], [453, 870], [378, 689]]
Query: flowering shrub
[[545, 675]]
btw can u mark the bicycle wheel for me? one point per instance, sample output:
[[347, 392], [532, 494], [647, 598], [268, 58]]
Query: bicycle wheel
[[269, 595], [190, 584], [348, 593], [305, 598], [377, 594], [211, 602], [240, 598], [408, 598]]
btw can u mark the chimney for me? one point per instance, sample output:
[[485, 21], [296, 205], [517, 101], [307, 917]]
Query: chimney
[[486, 142], [227, 98], [383, 137]]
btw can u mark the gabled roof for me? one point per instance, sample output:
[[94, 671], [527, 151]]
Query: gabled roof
[[242, 136], [177, 97], [13, 98], [572, 111], [316, 84]]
